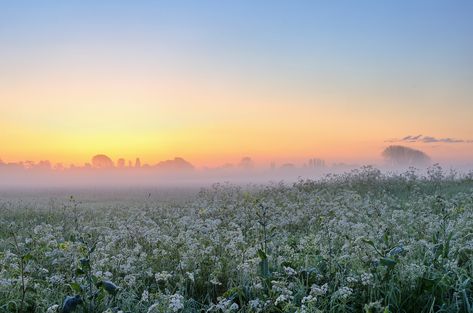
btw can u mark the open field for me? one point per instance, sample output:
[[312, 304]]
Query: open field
[[359, 242]]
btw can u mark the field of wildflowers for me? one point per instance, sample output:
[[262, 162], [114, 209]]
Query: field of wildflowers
[[358, 242]]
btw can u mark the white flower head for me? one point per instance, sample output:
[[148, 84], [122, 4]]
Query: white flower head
[[145, 296], [53, 309], [176, 302], [290, 271]]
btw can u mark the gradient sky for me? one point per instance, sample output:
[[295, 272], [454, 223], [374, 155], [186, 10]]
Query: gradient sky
[[213, 81]]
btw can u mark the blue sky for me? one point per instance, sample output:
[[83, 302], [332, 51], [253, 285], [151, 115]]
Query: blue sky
[[387, 60]]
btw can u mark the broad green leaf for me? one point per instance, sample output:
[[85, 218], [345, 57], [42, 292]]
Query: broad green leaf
[[388, 262]]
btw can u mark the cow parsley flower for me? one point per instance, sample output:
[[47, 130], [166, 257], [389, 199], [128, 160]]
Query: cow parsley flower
[[162, 276], [366, 279], [176, 302], [145, 296], [343, 293], [290, 271], [53, 309], [319, 290]]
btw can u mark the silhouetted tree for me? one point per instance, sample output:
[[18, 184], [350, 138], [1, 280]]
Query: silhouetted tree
[[246, 163], [121, 163], [176, 164], [405, 156], [102, 161], [44, 165]]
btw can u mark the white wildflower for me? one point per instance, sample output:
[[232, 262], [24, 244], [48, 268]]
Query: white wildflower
[[162, 276], [145, 296], [282, 298], [366, 279], [176, 302], [53, 309], [215, 281], [319, 290], [191, 276], [343, 293], [290, 271]]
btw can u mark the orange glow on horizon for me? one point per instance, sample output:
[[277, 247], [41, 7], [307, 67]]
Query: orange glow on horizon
[[156, 99]]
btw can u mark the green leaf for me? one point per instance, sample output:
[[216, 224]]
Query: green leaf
[[92, 249], [27, 257], [75, 287], [388, 262], [396, 250], [79, 271], [264, 268], [386, 238], [262, 255], [71, 303], [233, 293], [109, 286], [85, 263], [429, 283], [96, 280], [368, 241], [263, 264]]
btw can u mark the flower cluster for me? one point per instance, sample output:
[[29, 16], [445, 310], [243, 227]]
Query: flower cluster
[[338, 244]]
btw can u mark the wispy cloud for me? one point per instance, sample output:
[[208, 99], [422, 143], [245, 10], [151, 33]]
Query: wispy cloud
[[428, 139]]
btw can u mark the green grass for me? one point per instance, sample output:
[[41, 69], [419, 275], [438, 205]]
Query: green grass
[[360, 242]]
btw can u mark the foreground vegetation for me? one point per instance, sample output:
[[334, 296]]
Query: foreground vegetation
[[360, 242]]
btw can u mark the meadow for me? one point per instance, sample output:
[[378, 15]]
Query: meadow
[[358, 242]]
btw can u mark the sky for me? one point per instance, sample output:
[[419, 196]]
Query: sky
[[213, 81]]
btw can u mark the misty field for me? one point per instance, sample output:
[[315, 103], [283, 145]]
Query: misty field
[[358, 242]]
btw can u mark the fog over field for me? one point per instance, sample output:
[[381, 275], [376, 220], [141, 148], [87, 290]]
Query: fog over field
[[102, 171]]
